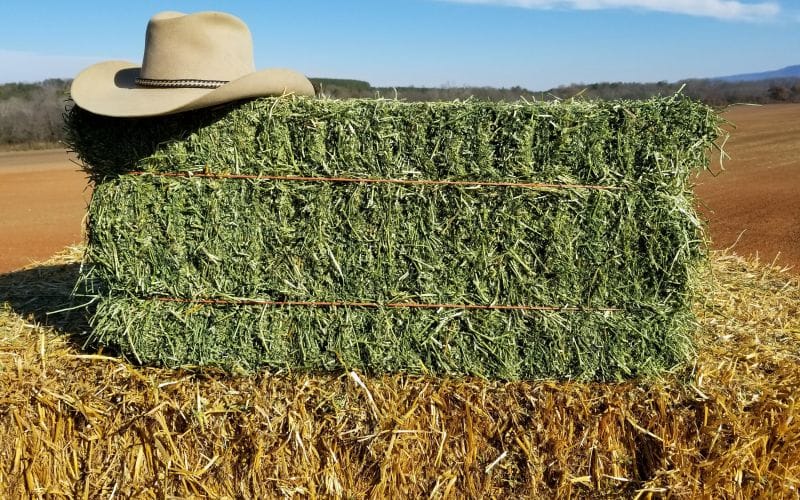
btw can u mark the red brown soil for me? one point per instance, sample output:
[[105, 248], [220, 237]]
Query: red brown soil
[[756, 200], [43, 199], [43, 195]]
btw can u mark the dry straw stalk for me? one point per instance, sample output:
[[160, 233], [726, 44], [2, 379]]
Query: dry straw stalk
[[74, 424]]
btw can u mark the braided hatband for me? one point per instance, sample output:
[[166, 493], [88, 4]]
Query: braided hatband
[[185, 83]]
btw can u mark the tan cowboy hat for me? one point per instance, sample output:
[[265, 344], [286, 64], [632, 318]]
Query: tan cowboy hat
[[190, 61]]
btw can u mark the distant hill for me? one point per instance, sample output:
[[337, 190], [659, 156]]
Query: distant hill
[[787, 72]]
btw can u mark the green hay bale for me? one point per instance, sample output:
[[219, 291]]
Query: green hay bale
[[632, 248]]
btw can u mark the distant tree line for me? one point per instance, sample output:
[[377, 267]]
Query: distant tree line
[[713, 92], [31, 113]]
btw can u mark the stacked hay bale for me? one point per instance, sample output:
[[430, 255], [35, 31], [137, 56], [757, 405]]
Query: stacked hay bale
[[509, 240]]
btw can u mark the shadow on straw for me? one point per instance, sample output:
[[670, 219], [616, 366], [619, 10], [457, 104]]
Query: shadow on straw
[[44, 294]]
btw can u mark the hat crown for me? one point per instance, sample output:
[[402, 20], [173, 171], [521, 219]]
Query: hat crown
[[210, 46]]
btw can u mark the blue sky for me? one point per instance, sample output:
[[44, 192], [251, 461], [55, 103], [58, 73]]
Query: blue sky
[[536, 44]]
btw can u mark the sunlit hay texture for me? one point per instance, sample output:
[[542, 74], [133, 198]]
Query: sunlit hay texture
[[601, 259], [74, 424]]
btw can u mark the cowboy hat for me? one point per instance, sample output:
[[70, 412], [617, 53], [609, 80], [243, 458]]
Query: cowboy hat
[[190, 61]]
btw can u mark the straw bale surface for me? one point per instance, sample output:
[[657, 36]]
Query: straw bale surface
[[170, 228], [77, 424]]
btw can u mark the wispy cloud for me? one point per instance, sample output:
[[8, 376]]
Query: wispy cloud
[[731, 10]]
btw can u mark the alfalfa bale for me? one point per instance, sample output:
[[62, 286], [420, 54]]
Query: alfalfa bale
[[198, 254]]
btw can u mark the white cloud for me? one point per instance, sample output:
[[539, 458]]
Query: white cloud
[[20, 66], [732, 10]]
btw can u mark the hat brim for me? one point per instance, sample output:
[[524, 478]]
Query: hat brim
[[109, 88]]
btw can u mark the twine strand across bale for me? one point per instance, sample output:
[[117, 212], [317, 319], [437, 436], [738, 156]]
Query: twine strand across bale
[[391, 305], [415, 182]]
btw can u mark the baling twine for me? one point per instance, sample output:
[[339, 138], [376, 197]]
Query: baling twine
[[357, 180]]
